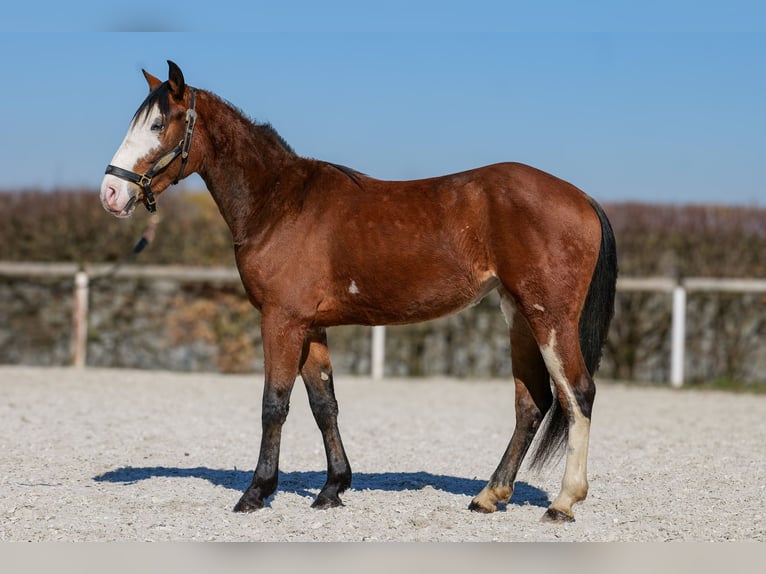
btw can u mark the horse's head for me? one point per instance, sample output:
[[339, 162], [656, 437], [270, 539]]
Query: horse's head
[[157, 148]]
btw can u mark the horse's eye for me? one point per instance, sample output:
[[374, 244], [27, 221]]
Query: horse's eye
[[157, 126]]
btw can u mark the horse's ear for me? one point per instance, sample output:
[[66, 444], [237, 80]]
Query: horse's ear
[[151, 80], [176, 80]]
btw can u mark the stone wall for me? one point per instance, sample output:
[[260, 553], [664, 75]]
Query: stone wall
[[167, 324]]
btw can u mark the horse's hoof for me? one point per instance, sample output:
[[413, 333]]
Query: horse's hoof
[[323, 502], [477, 507], [556, 516], [248, 505]]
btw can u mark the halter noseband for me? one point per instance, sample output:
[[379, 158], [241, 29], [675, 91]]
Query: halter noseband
[[145, 180]]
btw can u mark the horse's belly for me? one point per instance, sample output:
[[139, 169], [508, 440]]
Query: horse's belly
[[392, 302]]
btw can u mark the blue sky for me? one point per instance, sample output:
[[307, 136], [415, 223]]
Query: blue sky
[[641, 101]]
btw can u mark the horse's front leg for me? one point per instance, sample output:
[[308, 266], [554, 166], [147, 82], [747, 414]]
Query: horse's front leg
[[316, 371], [282, 344]]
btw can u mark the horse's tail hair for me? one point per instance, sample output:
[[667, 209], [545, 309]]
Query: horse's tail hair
[[599, 304], [596, 316]]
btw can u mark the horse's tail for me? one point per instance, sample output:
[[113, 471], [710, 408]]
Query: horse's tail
[[596, 316]]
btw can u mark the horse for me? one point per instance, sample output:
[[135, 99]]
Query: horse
[[318, 244]]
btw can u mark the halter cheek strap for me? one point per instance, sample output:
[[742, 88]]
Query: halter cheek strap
[[145, 180]]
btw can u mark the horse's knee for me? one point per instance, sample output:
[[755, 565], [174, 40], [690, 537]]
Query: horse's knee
[[274, 409], [325, 411]]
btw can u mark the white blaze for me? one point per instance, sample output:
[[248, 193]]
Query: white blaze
[[140, 141]]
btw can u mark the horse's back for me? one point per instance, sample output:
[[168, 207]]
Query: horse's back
[[508, 187], [501, 205], [425, 248]]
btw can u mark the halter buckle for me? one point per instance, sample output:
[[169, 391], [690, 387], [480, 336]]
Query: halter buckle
[[150, 202]]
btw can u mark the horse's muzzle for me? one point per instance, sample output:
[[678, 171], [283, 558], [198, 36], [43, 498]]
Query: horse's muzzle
[[111, 199]]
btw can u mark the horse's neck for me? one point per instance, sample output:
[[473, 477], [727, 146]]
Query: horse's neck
[[243, 167]]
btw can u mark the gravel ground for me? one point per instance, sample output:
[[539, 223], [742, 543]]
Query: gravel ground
[[118, 455]]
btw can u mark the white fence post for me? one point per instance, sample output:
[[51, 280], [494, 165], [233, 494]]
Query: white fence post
[[80, 320], [678, 336], [378, 351]]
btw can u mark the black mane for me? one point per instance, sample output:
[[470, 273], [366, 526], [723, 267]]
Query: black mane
[[266, 128], [269, 130], [352, 174], [159, 95]]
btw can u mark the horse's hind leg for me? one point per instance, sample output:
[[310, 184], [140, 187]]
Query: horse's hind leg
[[533, 399], [575, 392], [316, 371]]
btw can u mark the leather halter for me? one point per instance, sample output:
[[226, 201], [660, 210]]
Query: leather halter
[[145, 180]]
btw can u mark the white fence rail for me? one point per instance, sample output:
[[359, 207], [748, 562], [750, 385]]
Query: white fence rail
[[83, 276]]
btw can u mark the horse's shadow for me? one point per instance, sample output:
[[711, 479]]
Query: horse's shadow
[[308, 483]]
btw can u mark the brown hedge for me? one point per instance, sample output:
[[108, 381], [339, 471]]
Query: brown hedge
[[665, 240]]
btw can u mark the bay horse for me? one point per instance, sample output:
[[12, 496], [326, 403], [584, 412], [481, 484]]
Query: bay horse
[[319, 244]]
